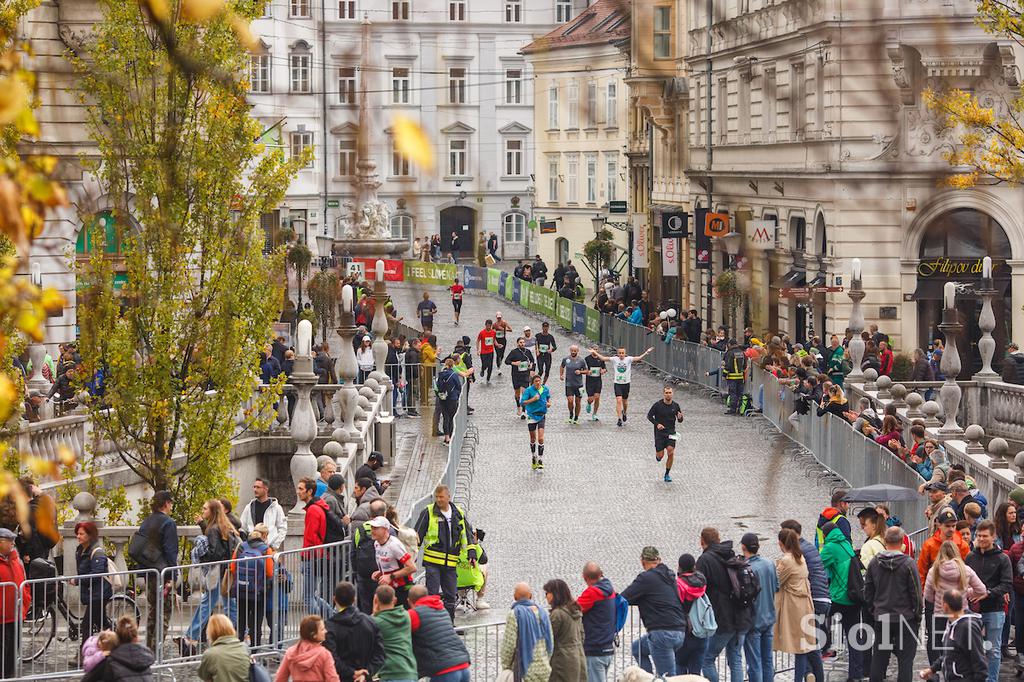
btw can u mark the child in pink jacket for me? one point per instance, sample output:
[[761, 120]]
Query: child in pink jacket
[[309, 660]]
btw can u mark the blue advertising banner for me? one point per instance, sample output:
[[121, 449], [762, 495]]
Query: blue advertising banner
[[579, 318], [474, 277], [516, 289], [503, 285]]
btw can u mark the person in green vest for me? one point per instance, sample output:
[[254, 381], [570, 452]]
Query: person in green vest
[[443, 531], [834, 361], [396, 632], [472, 574]]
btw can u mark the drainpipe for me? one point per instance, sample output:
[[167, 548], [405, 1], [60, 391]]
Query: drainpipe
[[323, 107], [710, 158]]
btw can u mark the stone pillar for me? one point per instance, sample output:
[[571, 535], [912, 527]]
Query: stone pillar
[[987, 323], [899, 395], [997, 448], [347, 368], [950, 393], [303, 429], [974, 433], [856, 325], [870, 375], [930, 411], [884, 383], [36, 383], [914, 402], [384, 430]]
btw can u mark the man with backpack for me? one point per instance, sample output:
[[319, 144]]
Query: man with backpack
[[601, 608], [155, 546], [732, 589], [758, 643], [845, 584], [364, 557], [655, 592], [252, 571], [315, 580], [892, 593], [734, 368]]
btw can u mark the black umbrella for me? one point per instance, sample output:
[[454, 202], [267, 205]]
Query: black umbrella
[[882, 492]]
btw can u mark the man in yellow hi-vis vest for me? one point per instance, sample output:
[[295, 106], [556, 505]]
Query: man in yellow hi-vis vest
[[443, 531]]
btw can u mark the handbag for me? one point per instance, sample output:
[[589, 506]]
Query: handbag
[[257, 673]]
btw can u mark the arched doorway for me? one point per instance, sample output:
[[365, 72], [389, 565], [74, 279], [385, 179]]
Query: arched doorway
[[952, 249], [458, 230], [562, 251]]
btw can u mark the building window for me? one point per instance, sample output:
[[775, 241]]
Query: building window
[[572, 173], [267, 13], [768, 90], [591, 105], [300, 142], [401, 227], [457, 85], [399, 10], [797, 101], [513, 11], [563, 11], [553, 180], [347, 85], [513, 86], [457, 10], [513, 157], [722, 109], [613, 180], [612, 105], [553, 106], [347, 157], [663, 32], [515, 228], [299, 9], [259, 73], [400, 85], [457, 157], [798, 232], [399, 163], [591, 178], [574, 105], [299, 62], [346, 9]]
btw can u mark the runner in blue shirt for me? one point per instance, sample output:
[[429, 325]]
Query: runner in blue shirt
[[536, 400]]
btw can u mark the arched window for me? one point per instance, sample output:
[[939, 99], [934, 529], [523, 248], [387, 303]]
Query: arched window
[[112, 246], [515, 228], [797, 232], [820, 242], [965, 233], [562, 250], [401, 227]]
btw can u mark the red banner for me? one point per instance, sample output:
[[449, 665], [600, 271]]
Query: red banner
[[393, 269]]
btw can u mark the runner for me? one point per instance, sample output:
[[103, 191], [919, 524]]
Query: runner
[[595, 370], [523, 366], [501, 331], [664, 414], [572, 371], [545, 347], [426, 311], [622, 368], [529, 339], [485, 349], [457, 290], [536, 400]]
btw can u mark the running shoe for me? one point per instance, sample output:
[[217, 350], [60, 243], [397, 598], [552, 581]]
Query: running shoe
[[522, 415], [624, 417], [594, 418], [668, 479], [540, 465], [499, 372], [658, 456], [618, 422], [588, 408], [534, 465]]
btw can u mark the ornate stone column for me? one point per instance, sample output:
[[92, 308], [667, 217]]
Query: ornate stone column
[[347, 368], [950, 393], [856, 325], [379, 324], [987, 323], [303, 429]]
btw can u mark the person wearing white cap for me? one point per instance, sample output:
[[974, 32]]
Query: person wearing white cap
[[529, 339], [364, 358], [395, 566], [501, 332]]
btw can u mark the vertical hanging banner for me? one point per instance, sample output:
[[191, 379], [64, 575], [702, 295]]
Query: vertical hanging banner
[[669, 257], [640, 241]]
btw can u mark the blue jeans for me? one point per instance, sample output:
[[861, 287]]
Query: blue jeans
[[205, 610], [992, 623], [690, 657], [598, 667], [659, 646], [312, 587], [757, 646], [454, 676], [732, 642]]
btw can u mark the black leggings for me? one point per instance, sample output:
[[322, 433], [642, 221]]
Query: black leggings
[[544, 365], [251, 608], [499, 352], [486, 365]]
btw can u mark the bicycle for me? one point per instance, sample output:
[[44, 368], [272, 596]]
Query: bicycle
[[39, 627]]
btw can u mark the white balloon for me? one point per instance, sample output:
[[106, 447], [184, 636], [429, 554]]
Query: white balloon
[[671, 312], [663, 315]]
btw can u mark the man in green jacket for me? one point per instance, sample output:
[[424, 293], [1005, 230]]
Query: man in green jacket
[[836, 555], [396, 631]]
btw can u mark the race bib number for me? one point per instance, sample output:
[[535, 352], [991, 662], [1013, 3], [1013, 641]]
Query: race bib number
[[595, 371], [543, 348], [673, 436], [523, 366], [620, 369], [456, 297], [488, 342], [443, 395], [499, 335]]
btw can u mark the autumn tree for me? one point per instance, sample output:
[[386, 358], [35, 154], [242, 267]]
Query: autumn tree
[[179, 343]]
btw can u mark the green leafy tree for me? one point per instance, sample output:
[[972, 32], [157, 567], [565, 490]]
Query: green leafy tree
[[179, 345]]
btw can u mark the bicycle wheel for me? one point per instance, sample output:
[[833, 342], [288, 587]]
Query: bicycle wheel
[[36, 633], [121, 605]]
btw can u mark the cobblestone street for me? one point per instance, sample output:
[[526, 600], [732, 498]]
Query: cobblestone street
[[601, 495]]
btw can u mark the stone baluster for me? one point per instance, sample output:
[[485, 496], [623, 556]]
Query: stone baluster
[[36, 382], [303, 431], [870, 375], [973, 434], [997, 449], [347, 368], [950, 392], [884, 383], [987, 323], [914, 402], [856, 324], [330, 414], [1018, 462], [899, 395], [930, 410], [379, 323]]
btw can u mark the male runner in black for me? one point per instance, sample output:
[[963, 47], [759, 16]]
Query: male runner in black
[[523, 366], [664, 414], [501, 331], [545, 347], [596, 369]]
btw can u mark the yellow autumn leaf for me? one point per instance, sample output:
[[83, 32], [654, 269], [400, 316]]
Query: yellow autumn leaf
[[200, 11], [42, 468], [51, 300], [412, 143], [13, 99], [30, 323], [8, 396], [242, 31], [66, 456], [159, 9]]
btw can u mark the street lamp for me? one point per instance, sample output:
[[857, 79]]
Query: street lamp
[[598, 222], [325, 247], [732, 242]]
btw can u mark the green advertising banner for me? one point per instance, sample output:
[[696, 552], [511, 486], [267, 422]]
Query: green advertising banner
[[524, 294], [563, 312], [493, 280], [430, 273], [593, 324], [543, 301], [510, 288]]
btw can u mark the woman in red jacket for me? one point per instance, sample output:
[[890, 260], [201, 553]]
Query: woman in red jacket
[[11, 571]]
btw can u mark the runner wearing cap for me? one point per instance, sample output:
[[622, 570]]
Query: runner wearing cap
[[572, 371], [457, 290], [536, 401], [545, 347], [529, 339], [485, 349], [501, 331], [595, 370], [622, 374], [523, 366], [395, 566], [664, 414]]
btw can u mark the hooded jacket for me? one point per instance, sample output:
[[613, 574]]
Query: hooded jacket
[[964, 651], [836, 554], [891, 587], [354, 641], [275, 518], [307, 662], [836, 517], [949, 578], [993, 568], [815, 572], [130, 663], [598, 605], [731, 617], [930, 550], [1015, 553], [362, 512], [655, 592], [315, 523]]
